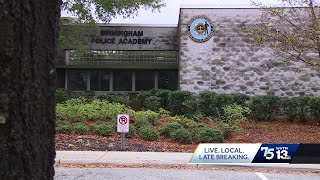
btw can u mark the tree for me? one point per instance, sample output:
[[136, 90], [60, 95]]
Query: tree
[[291, 29], [28, 35]]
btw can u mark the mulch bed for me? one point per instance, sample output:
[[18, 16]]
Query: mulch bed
[[252, 132]]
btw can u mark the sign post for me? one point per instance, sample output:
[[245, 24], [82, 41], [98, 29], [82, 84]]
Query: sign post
[[122, 127]]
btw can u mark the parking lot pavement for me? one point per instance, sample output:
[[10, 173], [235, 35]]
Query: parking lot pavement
[[171, 174]]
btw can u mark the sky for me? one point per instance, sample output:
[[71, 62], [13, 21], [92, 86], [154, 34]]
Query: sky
[[169, 14]]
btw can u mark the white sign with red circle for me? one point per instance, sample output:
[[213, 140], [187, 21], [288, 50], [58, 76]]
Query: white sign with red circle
[[123, 123]]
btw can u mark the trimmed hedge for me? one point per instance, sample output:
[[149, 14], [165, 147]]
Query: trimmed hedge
[[264, 107]]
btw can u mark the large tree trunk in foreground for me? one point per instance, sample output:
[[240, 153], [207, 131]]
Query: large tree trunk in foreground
[[28, 38]]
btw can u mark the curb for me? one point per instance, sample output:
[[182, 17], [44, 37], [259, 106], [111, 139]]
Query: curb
[[261, 167]]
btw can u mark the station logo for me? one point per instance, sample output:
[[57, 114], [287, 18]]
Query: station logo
[[200, 29]]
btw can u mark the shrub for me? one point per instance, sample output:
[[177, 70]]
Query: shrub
[[153, 103], [89, 95], [240, 99], [148, 133], [211, 104], [115, 98], [235, 113], [79, 109], [207, 135], [132, 132], [185, 122], [103, 129], [227, 129], [176, 99], [182, 135], [314, 104], [64, 127], [296, 107], [62, 95], [149, 116], [163, 94], [141, 98], [80, 128], [264, 107], [191, 107], [169, 128]]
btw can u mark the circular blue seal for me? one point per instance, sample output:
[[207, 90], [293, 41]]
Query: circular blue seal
[[200, 28]]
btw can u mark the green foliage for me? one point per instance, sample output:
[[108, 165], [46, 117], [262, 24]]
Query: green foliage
[[185, 122], [182, 135], [264, 107], [132, 132], [314, 104], [80, 128], [147, 116], [167, 129], [79, 109], [227, 129], [148, 133], [297, 107], [102, 129], [211, 103], [235, 113], [164, 97], [191, 107], [106, 10], [62, 95], [207, 135], [153, 103], [115, 98], [64, 127], [139, 101], [88, 95], [176, 100]]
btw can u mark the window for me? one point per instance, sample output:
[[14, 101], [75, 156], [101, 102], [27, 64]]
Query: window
[[77, 80], [127, 57], [144, 80], [122, 80], [99, 80], [168, 79], [60, 78]]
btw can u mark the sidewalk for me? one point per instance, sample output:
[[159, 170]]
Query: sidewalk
[[158, 159]]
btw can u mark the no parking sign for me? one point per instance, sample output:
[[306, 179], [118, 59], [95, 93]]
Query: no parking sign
[[123, 123]]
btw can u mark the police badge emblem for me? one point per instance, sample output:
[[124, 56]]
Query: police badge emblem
[[200, 29]]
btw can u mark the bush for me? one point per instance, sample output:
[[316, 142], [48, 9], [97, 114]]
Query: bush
[[164, 98], [227, 129], [296, 107], [211, 103], [88, 95], [264, 107], [79, 109], [314, 104], [153, 103], [235, 113], [62, 95], [114, 98], [64, 127], [80, 128], [149, 116], [185, 122], [240, 99], [176, 99], [182, 135], [148, 133], [167, 129], [141, 98], [191, 107], [102, 129], [132, 132], [207, 135]]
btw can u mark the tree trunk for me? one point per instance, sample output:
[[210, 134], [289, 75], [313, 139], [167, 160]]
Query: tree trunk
[[28, 38]]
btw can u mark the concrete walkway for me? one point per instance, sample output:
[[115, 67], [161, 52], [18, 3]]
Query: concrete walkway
[[158, 159]]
